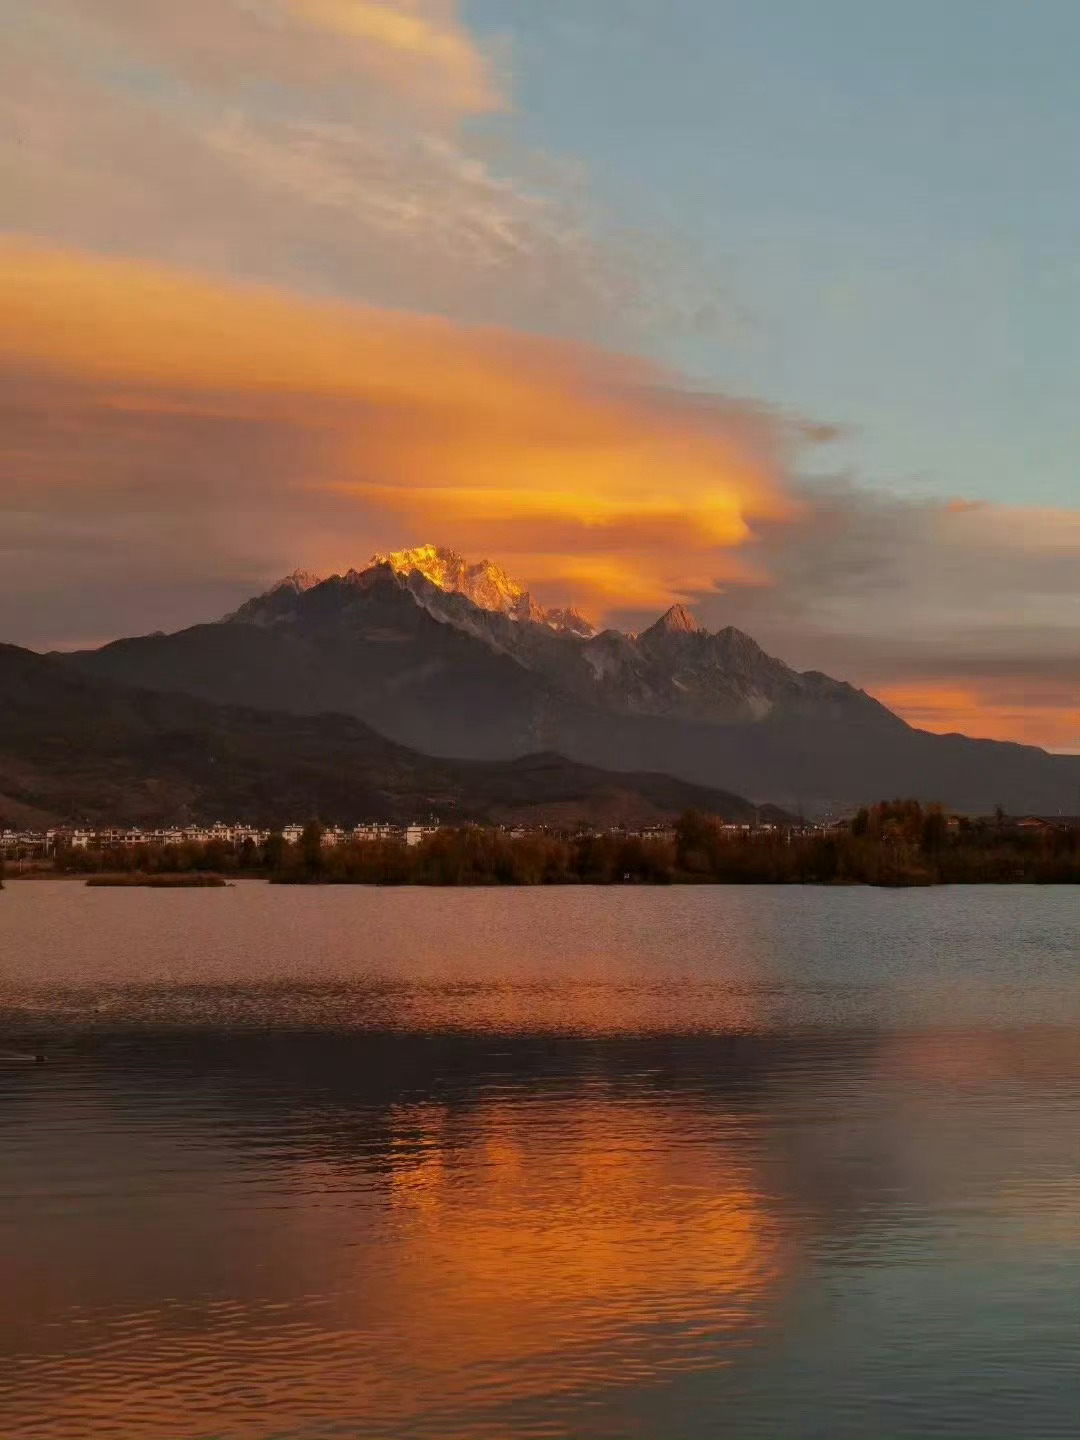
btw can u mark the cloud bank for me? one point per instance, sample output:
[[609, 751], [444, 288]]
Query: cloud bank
[[233, 412]]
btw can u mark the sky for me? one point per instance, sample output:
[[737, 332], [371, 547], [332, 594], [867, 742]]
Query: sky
[[766, 308]]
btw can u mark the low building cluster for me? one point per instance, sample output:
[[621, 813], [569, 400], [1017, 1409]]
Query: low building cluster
[[334, 835], [43, 844], [34, 844], [28, 843]]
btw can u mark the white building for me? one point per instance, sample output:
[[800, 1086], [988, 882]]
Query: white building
[[373, 831]]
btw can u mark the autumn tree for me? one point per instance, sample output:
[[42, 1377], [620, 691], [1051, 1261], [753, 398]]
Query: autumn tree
[[311, 854]]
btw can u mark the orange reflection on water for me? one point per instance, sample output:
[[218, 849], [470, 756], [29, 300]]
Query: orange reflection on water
[[586, 1007], [520, 1253], [569, 1239]]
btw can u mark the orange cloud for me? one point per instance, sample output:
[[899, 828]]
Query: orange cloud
[[418, 52], [1050, 717], [594, 465], [412, 45]]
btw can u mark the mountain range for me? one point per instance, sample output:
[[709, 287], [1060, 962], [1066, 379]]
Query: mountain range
[[457, 660], [76, 749]]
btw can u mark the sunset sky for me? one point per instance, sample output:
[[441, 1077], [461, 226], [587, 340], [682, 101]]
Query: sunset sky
[[770, 308]]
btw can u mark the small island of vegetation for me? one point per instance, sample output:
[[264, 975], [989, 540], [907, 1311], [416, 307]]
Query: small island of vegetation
[[160, 880]]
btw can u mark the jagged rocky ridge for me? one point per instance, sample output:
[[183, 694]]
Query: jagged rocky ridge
[[675, 667], [434, 573]]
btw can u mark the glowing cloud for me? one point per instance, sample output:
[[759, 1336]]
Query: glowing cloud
[[1030, 713], [595, 466]]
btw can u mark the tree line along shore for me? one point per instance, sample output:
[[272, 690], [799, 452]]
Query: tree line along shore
[[893, 843]]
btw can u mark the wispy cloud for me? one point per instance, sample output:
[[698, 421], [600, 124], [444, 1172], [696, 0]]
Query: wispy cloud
[[358, 148], [419, 50]]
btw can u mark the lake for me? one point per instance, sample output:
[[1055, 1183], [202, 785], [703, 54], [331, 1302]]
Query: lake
[[764, 1162]]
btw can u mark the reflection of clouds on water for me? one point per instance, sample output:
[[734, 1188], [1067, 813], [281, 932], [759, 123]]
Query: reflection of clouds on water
[[542, 1249], [399, 1231], [512, 1244]]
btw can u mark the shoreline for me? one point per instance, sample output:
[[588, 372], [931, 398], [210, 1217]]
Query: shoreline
[[226, 880]]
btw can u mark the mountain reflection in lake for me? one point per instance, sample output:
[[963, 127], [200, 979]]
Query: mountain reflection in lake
[[594, 1163]]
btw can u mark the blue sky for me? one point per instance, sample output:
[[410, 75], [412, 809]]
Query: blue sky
[[882, 194]]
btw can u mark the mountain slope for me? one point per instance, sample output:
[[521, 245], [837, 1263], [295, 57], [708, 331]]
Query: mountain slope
[[357, 644], [676, 668], [77, 748]]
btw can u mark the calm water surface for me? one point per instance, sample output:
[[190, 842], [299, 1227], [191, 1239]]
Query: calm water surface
[[669, 1164]]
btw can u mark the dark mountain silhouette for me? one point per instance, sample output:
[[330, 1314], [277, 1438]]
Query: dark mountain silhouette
[[358, 644], [433, 669], [75, 748]]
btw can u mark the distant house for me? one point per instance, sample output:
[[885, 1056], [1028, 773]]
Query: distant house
[[373, 831]]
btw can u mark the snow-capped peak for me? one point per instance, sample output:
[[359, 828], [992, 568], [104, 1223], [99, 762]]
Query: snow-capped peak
[[298, 582], [271, 605], [486, 584], [483, 582]]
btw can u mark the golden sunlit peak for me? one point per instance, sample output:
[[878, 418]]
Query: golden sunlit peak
[[676, 621], [483, 582]]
